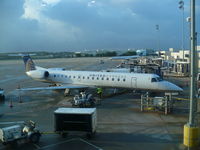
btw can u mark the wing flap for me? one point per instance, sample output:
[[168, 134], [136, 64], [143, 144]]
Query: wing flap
[[54, 88]]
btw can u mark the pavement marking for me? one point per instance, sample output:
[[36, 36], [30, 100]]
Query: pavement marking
[[48, 132], [161, 123], [181, 99], [37, 146], [48, 146], [91, 144]]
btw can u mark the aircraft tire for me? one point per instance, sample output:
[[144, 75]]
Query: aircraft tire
[[35, 138]]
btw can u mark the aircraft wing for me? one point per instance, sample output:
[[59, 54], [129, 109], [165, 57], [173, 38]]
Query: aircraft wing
[[62, 87], [124, 57]]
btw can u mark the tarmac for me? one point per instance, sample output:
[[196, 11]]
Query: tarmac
[[121, 124]]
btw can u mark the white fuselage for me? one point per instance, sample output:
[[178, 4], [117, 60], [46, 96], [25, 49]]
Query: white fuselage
[[105, 79]]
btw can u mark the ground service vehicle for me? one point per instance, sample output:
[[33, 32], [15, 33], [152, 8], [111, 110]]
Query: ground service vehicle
[[83, 100], [26, 132]]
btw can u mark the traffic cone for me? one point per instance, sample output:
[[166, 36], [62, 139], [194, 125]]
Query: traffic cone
[[11, 105], [20, 99]]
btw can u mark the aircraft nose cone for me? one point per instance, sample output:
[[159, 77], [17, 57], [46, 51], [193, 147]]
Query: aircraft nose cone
[[173, 87], [170, 87]]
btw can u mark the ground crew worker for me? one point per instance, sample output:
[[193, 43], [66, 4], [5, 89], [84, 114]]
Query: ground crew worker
[[83, 95], [100, 92]]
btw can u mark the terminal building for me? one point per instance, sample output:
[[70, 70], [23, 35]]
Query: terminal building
[[178, 62]]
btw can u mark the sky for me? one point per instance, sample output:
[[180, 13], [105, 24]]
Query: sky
[[75, 25]]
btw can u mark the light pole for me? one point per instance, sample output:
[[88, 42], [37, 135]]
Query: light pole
[[181, 7], [191, 130], [193, 77], [158, 36]]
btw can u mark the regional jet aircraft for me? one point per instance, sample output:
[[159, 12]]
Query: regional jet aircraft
[[66, 80]]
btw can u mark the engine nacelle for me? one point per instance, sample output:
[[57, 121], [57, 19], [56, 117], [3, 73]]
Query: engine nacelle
[[38, 74]]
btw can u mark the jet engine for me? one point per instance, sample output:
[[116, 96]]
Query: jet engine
[[38, 74]]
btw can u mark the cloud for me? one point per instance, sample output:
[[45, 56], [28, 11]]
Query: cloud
[[90, 24], [51, 2], [91, 3], [53, 29], [32, 9]]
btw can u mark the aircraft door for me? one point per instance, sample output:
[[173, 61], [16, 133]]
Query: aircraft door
[[134, 82], [79, 77]]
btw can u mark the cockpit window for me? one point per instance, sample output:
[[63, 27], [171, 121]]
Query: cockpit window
[[153, 80], [158, 79]]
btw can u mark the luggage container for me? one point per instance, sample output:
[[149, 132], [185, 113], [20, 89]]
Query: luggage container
[[75, 119]]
